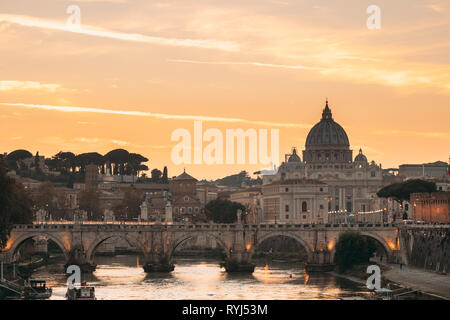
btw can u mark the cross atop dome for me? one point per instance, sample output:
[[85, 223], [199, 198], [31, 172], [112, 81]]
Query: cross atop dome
[[326, 114]]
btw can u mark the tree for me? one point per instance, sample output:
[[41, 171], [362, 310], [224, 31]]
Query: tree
[[15, 205], [156, 175], [129, 208], [63, 162], [351, 249], [83, 159], [134, 164], [90, 202], [49, 199], [118, 157], [17, 155], [223, 211], [402, 191], [165, 178]]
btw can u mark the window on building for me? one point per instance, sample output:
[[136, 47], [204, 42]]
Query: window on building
[[372, 173], [304, 216], [287, 208], [304, 206], [287, 216], [321, 206], [186, 198], [176, 210], [196, 209], [190, 210], [182, 210], [287, 189]]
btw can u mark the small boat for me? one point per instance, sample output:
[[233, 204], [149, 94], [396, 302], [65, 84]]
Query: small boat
[[81, 292], [36, 289]]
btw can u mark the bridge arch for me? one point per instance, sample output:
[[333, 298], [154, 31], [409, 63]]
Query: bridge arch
[[90, 253], [290, 235], [189, 236], [379, 240], [21, 239]]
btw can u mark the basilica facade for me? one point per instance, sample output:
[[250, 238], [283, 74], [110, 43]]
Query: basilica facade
[[351, 183]]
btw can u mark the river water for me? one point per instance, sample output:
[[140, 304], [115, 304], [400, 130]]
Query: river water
[[121, 277]]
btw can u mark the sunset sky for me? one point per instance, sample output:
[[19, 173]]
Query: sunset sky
[[137, 70]]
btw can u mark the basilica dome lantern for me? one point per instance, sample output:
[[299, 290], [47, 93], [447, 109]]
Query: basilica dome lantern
[[327, 141]]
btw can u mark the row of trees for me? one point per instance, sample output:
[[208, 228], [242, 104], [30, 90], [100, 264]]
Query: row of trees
[[238, 180], [118, 161]]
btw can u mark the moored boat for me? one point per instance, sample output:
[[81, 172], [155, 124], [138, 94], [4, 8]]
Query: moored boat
[[81, 292], [36, 289]]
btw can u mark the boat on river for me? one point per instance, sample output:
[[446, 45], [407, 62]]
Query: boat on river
[[81, 292], [36, 289]]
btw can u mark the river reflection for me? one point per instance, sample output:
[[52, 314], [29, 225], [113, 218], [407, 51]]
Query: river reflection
[[120, 277]]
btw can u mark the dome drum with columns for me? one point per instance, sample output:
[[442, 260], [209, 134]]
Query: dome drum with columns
[[327, 142], [352, 184]]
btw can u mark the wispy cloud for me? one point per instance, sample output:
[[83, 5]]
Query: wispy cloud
[[105, 33], [257, 64], [155, 115], [121, 143], [9, 85], [87, 140]]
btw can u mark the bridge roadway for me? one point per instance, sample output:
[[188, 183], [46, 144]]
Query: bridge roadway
[[79, 241]]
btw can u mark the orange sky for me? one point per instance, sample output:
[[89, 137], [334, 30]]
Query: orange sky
[[270, 64]]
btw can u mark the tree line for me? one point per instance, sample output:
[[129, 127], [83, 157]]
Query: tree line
[[117, 161]]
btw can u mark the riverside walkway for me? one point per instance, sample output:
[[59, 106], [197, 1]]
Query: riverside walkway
[[418, 279]]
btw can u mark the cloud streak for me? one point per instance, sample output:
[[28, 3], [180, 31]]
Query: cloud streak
[[105, 33], [9, 85], [154, 115], [257, 64]]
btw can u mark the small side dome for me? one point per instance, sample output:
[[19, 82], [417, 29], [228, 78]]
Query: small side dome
[[360, 157], [294, 157]]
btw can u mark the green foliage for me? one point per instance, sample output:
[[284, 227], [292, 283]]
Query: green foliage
[[90, 202], [351, 249], [72, 167], [156, 175], [223, 211], [129, 207], [165, 178], [238, 180], [15, 205], [402, 191]]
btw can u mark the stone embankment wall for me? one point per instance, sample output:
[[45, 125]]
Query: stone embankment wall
[[428, 249]]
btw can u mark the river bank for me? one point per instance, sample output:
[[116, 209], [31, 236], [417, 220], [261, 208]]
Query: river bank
[[403, 282]]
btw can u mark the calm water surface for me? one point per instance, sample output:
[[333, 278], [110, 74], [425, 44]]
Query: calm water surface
[[121, 277]]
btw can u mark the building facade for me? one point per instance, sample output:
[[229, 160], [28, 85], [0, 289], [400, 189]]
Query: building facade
[[352, 184], [185, 202], [431, 207], [295, 201], [436, 169]]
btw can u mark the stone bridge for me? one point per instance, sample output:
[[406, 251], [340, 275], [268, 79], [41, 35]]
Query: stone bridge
[[158, 242]]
